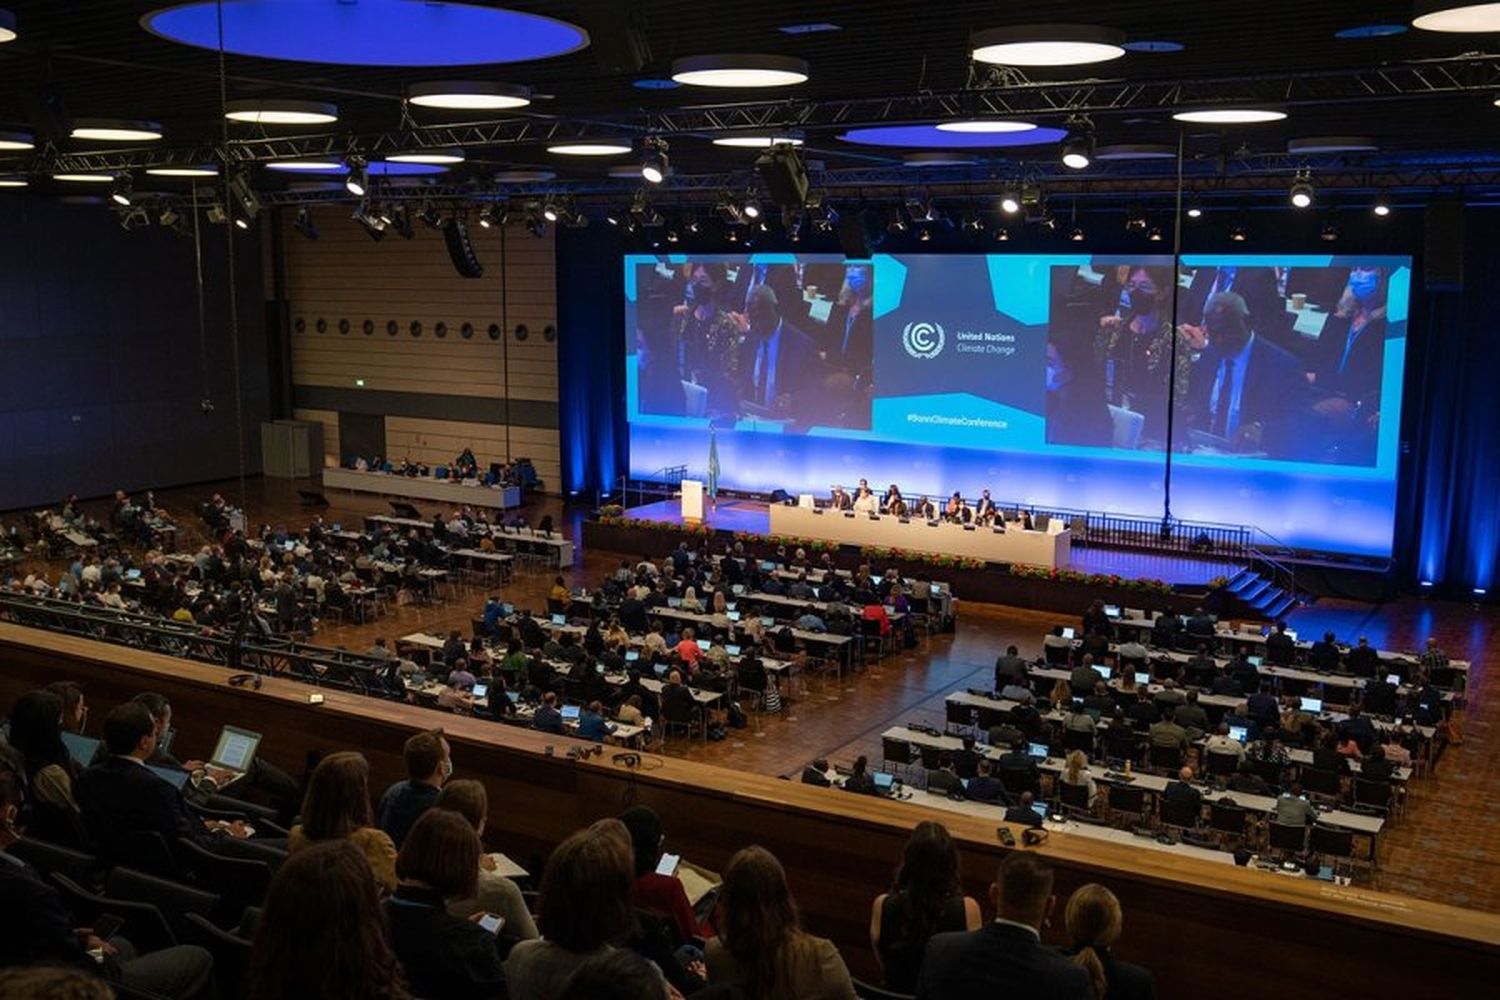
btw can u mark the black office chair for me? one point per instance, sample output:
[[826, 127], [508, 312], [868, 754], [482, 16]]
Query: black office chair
[[1269, 771], [1177, 814], [144, 926], [47, 858], [1122, 744], [958, 715], [865, 991], [1074, 798], [1372, 796], [1221, 765], [1332, 844], [1287, 838], [1321, 784], [1017, 781], [239, 882], [895, 753], [1166, 759], [143, 850], [173, 899], [1125, 800], [932, 757], [1228, 819], [1078, 739], [231, 954]]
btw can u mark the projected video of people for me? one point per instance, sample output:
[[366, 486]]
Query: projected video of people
[[790, 343], [1281, 363]]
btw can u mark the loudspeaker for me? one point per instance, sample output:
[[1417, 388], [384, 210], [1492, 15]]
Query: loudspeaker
[[860, 233], [617, 37], [1443, 247], [461, 250], [784, 175]]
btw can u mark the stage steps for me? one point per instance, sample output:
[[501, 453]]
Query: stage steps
[[1261, 595]]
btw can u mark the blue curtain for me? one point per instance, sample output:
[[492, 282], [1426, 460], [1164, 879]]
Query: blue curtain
[[591, 359], [1448, 527]]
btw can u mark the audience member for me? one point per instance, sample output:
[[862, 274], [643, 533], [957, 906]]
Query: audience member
[[494, 892], [1022, 812], [322, 934], [337, 807], [1094, 921], [615, 975], [926, 899], [1182, 791], [653, 891], [429, 763]]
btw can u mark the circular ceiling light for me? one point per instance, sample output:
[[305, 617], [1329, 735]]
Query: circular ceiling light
[[206, 170], [17, 140], [468, 95], [281, 112], [985, 126], [1047, 45], [308, 166], [937, 159], [13, 181], [625, 172], [931, 137], [1465, 18], [757, 141], [589, 148], [1136, 151], [1333, 144], [1371, 31], [537, 176], [367, 33], [115, 130], [441, 157], [740, 70], [1230, 116], [7, 26], [85, 178], [388, 168], [655, 83], [1157, 45]]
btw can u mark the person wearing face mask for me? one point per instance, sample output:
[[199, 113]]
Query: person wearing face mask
[[1135, 346], [1245, 392], [776, 360], [1076, 411], [429, 763], [1257, 286], [1347, 365], [708, 337], [851, 337]]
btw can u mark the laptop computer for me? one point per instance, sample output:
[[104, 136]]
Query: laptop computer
[[514, 696], [631, 655], [732, 649], [705, 644], [767, 566], [674, 602], [883, 780], [1393, 679], [570, 713], [481, 691], [1040, 808], [1111, 611], [559, 619], [661, 670], [171, 775], [737, 589], [1104, 671], [733, 616], [768, 621], [1239, 734], [1142, 677], [1312, 704], [507, 610], [1037, 750], [1290, 634], [1256, 661], [132, 574], [232, 754], [1069, 633], [81, 748]]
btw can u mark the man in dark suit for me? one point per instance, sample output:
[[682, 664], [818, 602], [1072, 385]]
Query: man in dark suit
[[119, 795], [1022, 812], [816, 773], [1363, 660], [1280, 647], [985, 787], [547, 718], [1010, 669], [1244, 389], [1257, 286], [777, 360], [1324, 654], [1005, 958], [1183, 791]]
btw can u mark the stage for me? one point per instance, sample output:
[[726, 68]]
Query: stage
[[1182, 571]]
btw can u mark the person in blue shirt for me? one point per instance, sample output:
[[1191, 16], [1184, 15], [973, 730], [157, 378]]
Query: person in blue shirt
[[592, 724], [494, 610], [548, 719]]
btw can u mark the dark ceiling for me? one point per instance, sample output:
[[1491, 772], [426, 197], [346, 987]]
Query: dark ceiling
[[1424, 97]]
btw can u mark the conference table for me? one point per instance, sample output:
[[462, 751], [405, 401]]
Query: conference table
[[1051, 548], [516, 539], [459, 492]]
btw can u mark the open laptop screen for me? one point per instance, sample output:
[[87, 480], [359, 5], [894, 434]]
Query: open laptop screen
[[1312, 704], [236, 748], [81, 748], [570, 713], [883, 781], [1037, 750], [170, 775]]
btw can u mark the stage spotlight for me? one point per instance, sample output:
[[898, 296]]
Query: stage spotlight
[[612, 218], [216, 214], [1077, 234], [693, 226], [1010, 201], [1382, 207], [121, 194], [752, 208], [1329, 233], [1302, 191], [672, 236], [1237, 233], [577, 220], [241, 223], [487, 217], [925, 235], [1194, 210], [358, 181], [400, 217], [370, 219], [1135, 220], [1078, 151], [1002, 235], [430, 216], [1154, 235], [168, 216], [654, 161], [730, 209], [304, 223], [549, 211]]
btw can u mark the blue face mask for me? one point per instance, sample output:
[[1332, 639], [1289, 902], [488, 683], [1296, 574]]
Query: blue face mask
[[1056, 378], [1363, 284]]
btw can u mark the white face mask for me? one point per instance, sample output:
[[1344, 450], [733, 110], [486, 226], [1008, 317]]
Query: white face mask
[[447, 769]]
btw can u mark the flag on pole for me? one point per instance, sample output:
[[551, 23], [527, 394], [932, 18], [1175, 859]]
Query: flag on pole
[[713, 464]]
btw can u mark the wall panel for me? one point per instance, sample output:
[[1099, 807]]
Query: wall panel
[[438, 441]]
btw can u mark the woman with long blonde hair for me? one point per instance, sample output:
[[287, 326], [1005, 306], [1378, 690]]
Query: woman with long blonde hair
[[1094, 921]]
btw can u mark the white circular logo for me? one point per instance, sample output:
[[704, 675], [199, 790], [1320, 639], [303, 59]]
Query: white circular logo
[[923, 339]]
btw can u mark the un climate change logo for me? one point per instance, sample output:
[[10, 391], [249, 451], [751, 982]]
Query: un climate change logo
[[923, 339]]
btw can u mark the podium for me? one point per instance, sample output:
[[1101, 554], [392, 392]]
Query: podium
[[692, 500]]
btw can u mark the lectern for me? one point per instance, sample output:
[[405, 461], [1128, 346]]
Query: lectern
[[692, 500]]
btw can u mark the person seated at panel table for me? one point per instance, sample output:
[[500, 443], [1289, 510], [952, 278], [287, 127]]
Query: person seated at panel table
[[1363, 660], [1324, 654], [864, 501], [1022, 812], [893, 503], [925, 509], [985, 510], [1281, 649], [956, 511], [840, 499]]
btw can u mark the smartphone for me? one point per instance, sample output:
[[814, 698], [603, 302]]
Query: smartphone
[[492, 922], [668, 864]]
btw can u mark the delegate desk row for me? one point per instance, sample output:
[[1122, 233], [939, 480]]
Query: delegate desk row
[[519, 539]]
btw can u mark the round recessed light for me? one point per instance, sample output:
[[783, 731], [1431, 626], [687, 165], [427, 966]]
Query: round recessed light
[[758, 141], [206, 170], [656, 83], [85, 178], [308, 166], [536, 176], [1464, 18], [1136, 151], [369, 33], [937, 159], [281, 112], [1157, 45], [7, 26], [1047, 45], [1230, 116], [589, 148], [931, 137], [985, 126], [17, 140], [115, 130], [468, 95], [1333, 144], [442, 157], [13, 181], [1371, 31], [740, 70]]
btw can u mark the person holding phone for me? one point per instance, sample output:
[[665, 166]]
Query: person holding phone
[[657, 887]]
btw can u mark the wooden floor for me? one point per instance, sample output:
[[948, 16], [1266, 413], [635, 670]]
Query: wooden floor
[[1446, 848]]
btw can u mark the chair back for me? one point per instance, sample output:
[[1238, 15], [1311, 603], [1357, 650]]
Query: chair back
[[895, 751], [1227, 818], [1332, 841], [1320, 782], [1268, 770], [144, 926], [1176, 812], [1078, 739], [1166, 758], [173, 899], [1073, 796], [48, 858], [239, 882], [1222, 765], [1372, 794], [231, 954], [1289, 837], [1126, 798]]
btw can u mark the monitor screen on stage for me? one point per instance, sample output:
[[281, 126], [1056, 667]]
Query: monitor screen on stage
[[1050, 380]]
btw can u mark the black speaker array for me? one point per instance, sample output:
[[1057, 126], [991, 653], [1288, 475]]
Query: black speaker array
[[461, 250], [1443, 247]]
